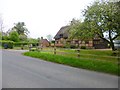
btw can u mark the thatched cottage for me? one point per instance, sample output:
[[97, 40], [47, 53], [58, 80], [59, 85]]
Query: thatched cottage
[[61, 39]]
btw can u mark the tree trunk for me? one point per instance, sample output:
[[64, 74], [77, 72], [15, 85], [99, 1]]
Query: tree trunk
[[112, 45], [111, 41]]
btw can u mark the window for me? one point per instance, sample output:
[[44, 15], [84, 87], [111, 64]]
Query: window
[[61, 35], [96, 42], [86, 42], [76, 42], [56, 42]]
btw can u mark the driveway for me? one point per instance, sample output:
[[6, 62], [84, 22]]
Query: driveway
[[20, 71]]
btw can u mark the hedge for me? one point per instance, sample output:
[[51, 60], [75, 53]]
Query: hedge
[[25, 43], [20, 43], [9, 44]]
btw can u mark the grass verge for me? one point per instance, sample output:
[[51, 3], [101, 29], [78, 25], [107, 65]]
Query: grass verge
[[104, 55], [100, 66]]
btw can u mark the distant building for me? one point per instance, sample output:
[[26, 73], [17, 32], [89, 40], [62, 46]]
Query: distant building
[[117, 44], [44, 42], [61, 38]]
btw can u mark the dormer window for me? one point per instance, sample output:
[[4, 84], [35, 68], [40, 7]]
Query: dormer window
[[61, 35]]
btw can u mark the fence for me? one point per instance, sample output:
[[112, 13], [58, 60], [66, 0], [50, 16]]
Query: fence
[[78, 53]]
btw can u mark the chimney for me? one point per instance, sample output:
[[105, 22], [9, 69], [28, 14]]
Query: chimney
[[41, 38]]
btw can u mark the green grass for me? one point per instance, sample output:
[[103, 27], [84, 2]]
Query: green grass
[[96, 65], [104, 55], [83, 51]]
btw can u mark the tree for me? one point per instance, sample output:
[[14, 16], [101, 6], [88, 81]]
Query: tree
[[1, 24], [103, 18], [0, 35], [5, 37], [20, 28], [49, 37], [1, 27], [79, 30], [22, 31], [32, 40], [14, 36], [23, 37]]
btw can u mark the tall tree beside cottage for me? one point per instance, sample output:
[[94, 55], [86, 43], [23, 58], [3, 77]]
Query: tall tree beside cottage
[[79, 30], [103, 18], [49, 37]]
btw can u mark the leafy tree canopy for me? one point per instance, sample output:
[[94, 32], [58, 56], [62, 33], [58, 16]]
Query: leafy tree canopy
[[20, 28], [14, 36], [103, 19], [79, 30]]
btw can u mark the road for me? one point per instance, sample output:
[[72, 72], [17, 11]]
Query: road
[[20, 71]]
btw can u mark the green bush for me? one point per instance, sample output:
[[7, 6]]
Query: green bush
[[83, 47], [53, 41], [20, 43], [9, 44], [73, 46], [67, 46]]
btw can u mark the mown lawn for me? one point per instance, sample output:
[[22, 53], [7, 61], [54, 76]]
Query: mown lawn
[[105, 66]]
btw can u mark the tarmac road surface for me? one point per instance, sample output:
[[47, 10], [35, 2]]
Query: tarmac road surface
[[20, 71]]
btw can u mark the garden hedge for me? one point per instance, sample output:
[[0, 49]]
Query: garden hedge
[[25, 43], [9, 44]]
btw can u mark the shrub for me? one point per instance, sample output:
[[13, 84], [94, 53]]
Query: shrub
[[35, 43], [83, 47], [67, 46], [33, 49], [20, 43], [53, 41], [72, 46], [115, 53]]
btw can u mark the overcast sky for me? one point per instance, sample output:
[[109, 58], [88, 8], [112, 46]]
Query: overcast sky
[[42, 17]]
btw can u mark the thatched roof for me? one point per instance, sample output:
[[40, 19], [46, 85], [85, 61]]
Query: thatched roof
[[62, 33]]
